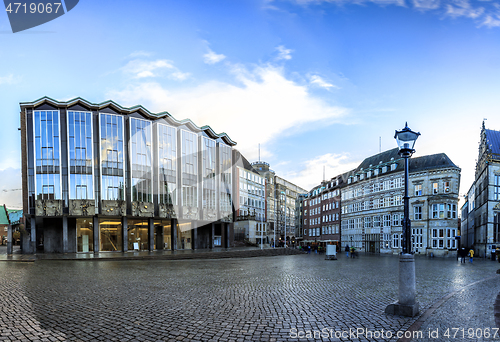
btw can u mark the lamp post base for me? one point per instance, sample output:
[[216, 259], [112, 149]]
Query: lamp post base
[[406, 305], [403, 309]]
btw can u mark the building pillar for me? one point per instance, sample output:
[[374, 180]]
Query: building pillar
[[194, 235], [96, 234], [151, 234], [223, 234], [173, 232], [226, 231], [212, 233], [159, 237], [33, 235], [9, 239], [125, 234], [65, 234]]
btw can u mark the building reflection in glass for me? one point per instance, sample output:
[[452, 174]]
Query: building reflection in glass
[[184, 235], [167, 161], [189, 174], [140, 159], [112, 166], [47, 155], [110, 235], [81, 185]]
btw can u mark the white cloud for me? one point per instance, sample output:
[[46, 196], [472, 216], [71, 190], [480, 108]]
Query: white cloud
[[211, 57], [482, 12], [9, 79], [426, 4], [489, 21], [283, 53], [320, 82], [139, 53], [311, 173], [140, 68], [263, 108]]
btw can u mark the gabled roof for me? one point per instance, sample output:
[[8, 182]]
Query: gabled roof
[[139, 109], [380, 158], [433, 161], [493, 140]]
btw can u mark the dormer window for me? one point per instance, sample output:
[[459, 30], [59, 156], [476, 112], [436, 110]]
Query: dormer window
[[393, 166], [384, 169]]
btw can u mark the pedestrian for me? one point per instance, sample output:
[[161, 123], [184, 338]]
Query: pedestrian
[[497, 252], [463, 254], [347, 249], [471, 255]]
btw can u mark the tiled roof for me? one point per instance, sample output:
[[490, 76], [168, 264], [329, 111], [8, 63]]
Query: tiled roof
[[433, 161], [493, 140]]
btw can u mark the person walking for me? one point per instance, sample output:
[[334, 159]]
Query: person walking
[[463, 254], [347, 249], [471, 255]]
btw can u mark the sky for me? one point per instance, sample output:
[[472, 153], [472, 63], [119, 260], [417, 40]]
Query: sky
[[319, 84]]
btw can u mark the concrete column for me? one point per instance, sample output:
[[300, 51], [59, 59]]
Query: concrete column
[[159, 238], [223, 234], [96, 234], [65, 234], [173, 232], [9, 239], [125, 234], [194, 235], [407, 304], [151, 234], [33, 235], [212, 233]]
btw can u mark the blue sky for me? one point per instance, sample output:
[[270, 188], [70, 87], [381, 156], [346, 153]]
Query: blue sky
[[315, 82]]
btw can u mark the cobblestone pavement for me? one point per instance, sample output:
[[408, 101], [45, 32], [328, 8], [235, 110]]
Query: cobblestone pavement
[[252, 299]]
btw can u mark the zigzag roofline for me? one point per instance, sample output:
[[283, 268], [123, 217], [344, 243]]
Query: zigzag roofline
[[98, 106]]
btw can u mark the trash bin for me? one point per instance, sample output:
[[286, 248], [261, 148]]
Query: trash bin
[[493, 256]]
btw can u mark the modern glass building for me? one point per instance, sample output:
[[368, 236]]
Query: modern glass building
[[102, 177]]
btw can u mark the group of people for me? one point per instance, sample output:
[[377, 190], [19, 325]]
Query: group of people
[[464, 254], [350, 251]]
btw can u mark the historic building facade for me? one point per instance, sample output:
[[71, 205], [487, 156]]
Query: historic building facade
[[372, 204], [250, 203], [102, 177], [321, 214], [282, 199], [482, 223]]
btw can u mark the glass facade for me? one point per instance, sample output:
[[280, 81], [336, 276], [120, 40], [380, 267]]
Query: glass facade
[[112, 165], [138, 235], [167, 163], [164, 227], [140, 159], [189, 169], [47, 155], [84, 235], [81, 184], [94, 162], [184, 235], [209, 185], [225, 180], [110, 235]]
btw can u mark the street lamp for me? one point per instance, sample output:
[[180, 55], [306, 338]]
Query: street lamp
[[407, 304]]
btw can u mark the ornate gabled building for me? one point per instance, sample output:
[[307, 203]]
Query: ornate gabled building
[[484, 196], [102, 177], [372, 204]]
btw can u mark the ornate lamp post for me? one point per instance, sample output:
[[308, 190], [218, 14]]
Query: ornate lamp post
[[407, 304]]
